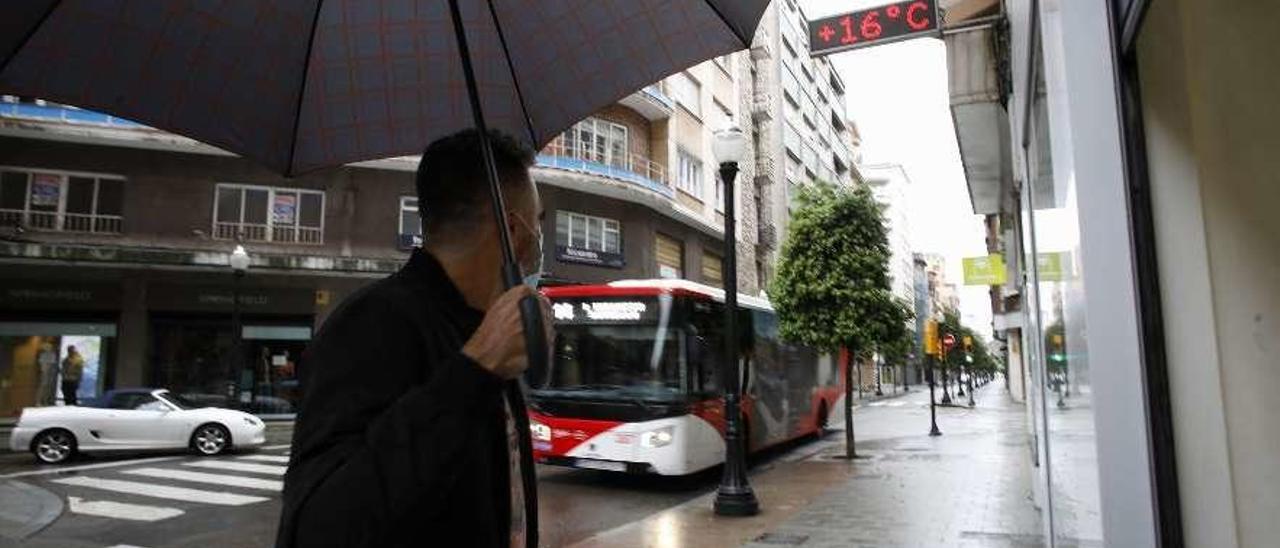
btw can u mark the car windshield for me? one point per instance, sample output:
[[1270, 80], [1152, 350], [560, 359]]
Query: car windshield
[[179, 401], [632, 361]]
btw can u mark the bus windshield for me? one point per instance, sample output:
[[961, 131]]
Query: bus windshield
[[616, 361]]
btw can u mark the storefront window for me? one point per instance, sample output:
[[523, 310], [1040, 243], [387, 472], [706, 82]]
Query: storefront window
[[45, 364], [1056, 338], [196, 359]]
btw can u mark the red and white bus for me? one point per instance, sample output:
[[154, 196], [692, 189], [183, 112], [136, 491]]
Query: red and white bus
[[634, 383]]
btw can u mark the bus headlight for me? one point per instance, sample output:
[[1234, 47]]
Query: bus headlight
[[540, 432], [658, 438]]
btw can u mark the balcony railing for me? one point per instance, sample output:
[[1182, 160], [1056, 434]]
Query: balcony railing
[[62, 222], [254, 232], [61, 113], [572, 155]]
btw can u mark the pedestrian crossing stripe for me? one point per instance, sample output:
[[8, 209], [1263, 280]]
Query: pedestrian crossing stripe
[[282, 459], [239, 466], [120, 510], [202, 477], [162, 491]]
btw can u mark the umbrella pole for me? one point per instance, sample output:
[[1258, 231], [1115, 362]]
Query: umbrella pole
[[530, 309]]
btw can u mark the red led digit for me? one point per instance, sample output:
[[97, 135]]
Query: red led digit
[[826, 33], [871, 25], [915, 9], [847, 23], [893, 11]]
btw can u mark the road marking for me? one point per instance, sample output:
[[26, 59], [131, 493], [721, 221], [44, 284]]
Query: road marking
[[161, 491], [282, 459], [201, 477], [239, 466], [120, 510], [65, 469]]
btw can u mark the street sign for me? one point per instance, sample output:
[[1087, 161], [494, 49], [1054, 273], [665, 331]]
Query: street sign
[[872, 27], [949, 341], [986, 270]]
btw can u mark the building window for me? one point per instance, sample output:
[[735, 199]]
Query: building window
[[689, 178], [790, 85], [712, 269], [68, 202], [761, 279], [600, 141], [721, 116], [687, 92], [410, 230], [266, 214], [791, 140], [578, 231], [670, 254]]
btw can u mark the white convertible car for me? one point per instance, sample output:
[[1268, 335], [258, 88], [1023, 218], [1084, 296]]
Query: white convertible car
[[130, 420]]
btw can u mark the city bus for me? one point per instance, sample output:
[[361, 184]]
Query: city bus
[[633, 385]]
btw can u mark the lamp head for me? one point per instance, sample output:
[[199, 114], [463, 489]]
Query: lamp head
[[239, 259], [729, 145]]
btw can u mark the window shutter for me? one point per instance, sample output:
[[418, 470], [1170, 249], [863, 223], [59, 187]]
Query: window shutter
[[670, 253], [712, 269]]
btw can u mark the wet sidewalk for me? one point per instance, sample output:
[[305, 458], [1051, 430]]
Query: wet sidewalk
[[970, 487]]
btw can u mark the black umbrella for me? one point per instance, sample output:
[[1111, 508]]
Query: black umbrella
[[304, 84]]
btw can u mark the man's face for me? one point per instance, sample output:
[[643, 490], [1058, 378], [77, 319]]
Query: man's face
[[526, 231]]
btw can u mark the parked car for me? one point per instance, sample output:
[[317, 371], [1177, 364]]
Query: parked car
[[131, 420]]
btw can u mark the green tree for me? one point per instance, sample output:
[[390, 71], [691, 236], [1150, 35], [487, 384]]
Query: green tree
[[832, 290]]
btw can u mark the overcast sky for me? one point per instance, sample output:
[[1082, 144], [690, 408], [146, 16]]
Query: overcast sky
[[897, 95]]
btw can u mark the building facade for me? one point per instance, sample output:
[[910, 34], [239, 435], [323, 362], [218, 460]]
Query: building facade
[[1123, 153], [800, 122], [115, 237]]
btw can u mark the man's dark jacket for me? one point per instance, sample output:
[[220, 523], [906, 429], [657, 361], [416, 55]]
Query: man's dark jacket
[[400, 439]]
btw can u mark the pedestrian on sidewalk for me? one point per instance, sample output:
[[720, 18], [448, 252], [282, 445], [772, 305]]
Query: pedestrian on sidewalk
[[72, 370], [404, 436]]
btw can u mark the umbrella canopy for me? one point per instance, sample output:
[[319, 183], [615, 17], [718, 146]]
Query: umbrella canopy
[[305, 84]]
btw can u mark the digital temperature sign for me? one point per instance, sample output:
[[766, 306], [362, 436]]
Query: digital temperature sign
[[872, 27]]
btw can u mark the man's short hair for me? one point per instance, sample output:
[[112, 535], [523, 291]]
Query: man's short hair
[[453, 187]]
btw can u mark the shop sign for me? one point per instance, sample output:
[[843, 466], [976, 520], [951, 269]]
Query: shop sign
[[873, 26], [284, 209], [46, 190], [988, 270], [589, 256], [172, 298], [17, 295]]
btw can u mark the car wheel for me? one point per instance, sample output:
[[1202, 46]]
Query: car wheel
[[54, 446], [210, 439]]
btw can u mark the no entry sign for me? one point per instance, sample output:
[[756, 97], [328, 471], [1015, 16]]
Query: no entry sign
[[948, 341], [874, 26]]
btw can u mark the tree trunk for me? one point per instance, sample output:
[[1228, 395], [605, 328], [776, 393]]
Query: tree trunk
[[849, 451]]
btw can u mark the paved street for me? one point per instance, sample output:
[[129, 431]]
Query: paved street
[[233, 501]]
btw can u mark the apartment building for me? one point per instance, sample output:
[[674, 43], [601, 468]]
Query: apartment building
[[799, 121], [115, 237]]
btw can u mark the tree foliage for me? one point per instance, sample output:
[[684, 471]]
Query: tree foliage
[[832, 288], [982, 359]]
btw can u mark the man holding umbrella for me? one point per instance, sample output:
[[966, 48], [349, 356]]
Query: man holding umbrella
[[404, 434]]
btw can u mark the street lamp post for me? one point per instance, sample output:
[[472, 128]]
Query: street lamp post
[[969, 378], [933, 411], [946, 395], [734, 496], [239, 262], [879, 372]]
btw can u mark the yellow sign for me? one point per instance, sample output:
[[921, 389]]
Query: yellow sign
[[987, 270], [1053, 266], [322, 297]]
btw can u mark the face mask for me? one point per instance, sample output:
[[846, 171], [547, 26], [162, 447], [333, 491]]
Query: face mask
[[533, 274]]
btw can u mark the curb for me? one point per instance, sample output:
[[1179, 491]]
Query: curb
[[26, 509]]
